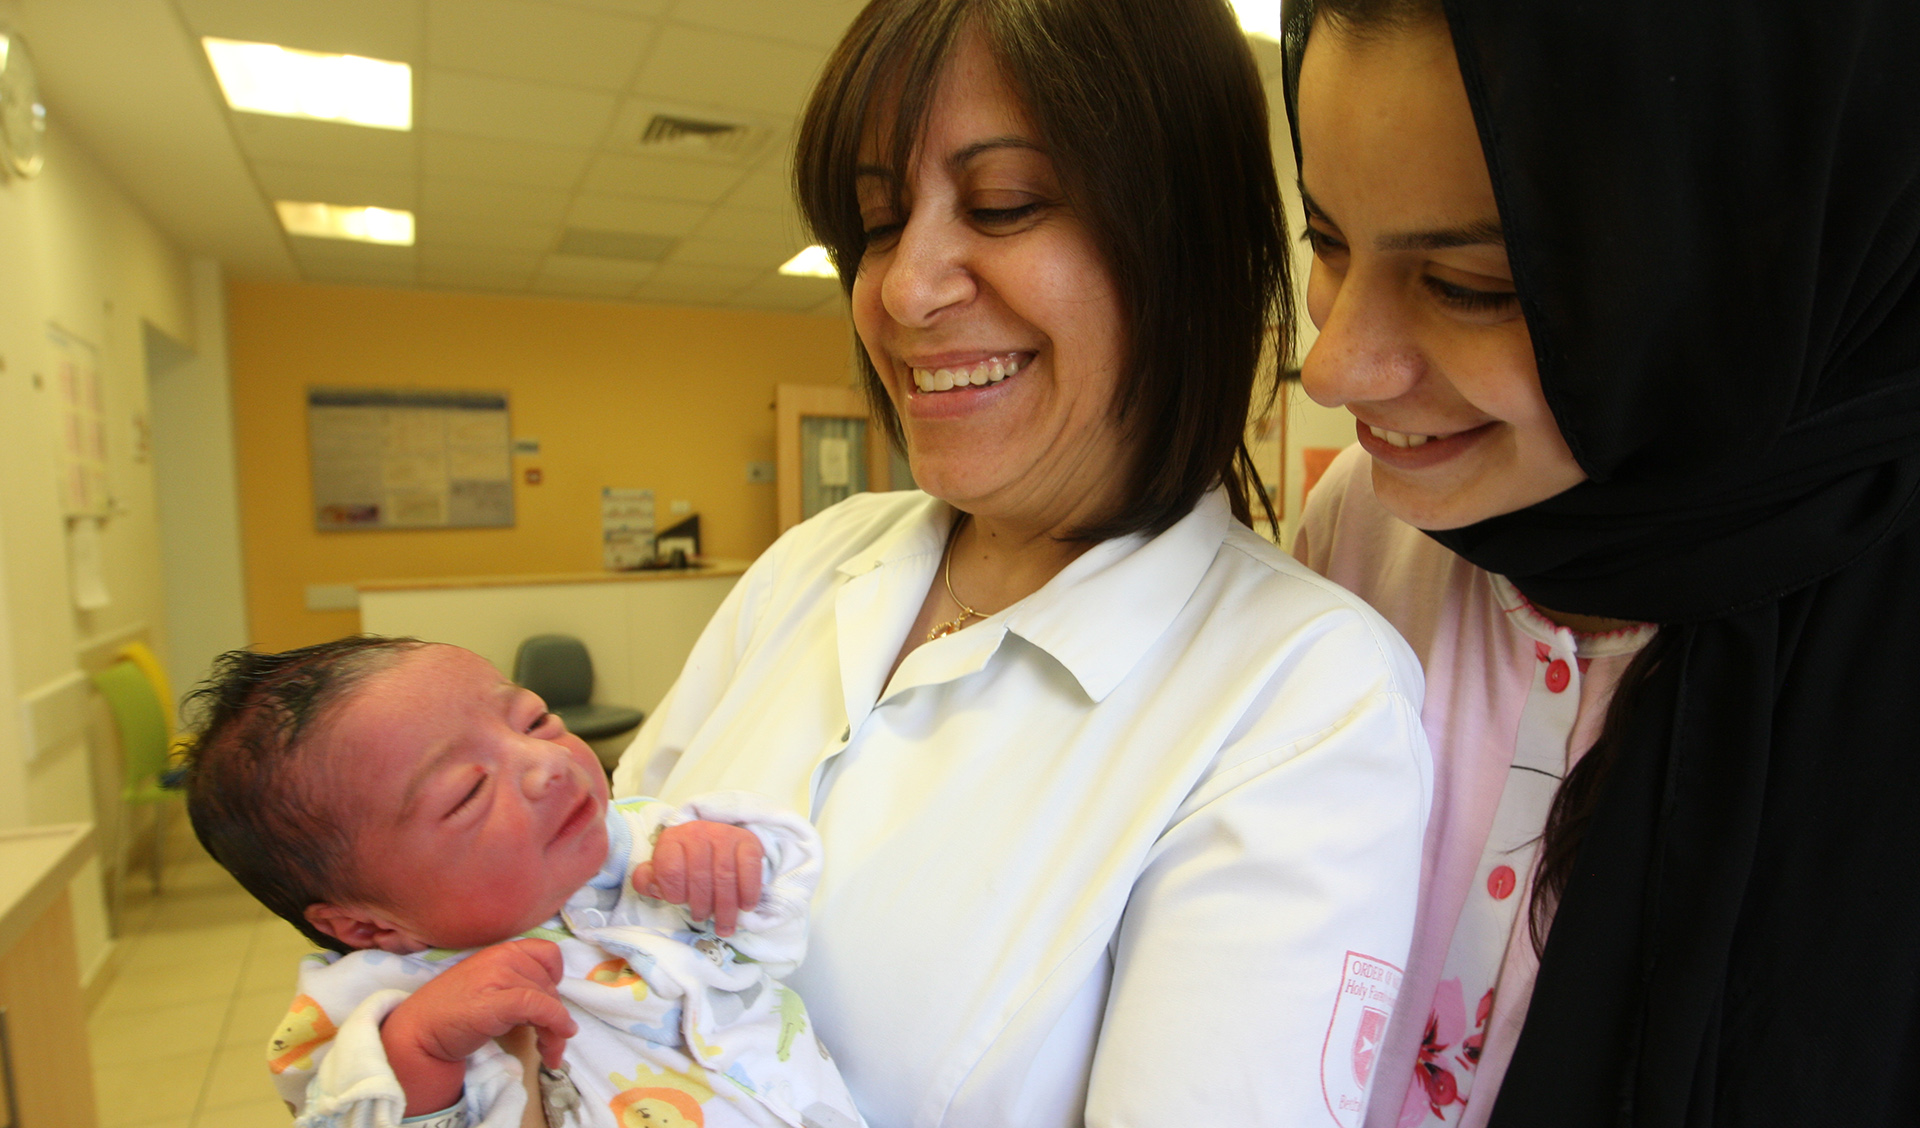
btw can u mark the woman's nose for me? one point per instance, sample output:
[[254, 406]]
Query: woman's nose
[[1365, 352], [926, 271]]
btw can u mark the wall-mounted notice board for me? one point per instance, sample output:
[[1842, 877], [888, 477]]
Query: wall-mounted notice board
[[410, 459]]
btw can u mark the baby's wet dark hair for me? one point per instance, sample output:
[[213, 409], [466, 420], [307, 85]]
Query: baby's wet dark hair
[[252, 793]]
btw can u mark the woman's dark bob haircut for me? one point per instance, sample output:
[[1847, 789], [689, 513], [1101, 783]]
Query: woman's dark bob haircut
[[1154, 116]]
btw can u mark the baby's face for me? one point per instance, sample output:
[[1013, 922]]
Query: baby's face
[[473, 814]]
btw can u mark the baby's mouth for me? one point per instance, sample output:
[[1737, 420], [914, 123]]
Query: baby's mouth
[[576, 819], [980, 373]]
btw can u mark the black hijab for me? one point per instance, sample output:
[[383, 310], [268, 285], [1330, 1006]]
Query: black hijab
[[1712, 209]]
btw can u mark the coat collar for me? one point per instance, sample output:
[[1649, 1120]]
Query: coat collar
[[1097, 618]]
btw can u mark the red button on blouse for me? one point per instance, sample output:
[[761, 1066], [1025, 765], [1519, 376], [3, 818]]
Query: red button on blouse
[[1501, 882], [1558, 675]]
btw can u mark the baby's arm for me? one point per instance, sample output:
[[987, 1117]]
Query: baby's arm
[[712, 868], [771, 927], [429, 1037]]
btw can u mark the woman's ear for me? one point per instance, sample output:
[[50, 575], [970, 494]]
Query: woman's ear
[[357, 927]]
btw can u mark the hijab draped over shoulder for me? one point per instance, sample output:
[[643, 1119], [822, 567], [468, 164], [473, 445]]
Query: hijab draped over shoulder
[[1712, 209]]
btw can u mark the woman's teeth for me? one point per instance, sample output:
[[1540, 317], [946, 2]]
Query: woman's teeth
[[1399, 438], [989, 371]]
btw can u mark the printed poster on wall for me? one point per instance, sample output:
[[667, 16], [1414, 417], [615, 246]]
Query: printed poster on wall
[[410, 459]]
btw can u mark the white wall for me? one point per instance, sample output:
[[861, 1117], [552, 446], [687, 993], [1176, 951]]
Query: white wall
[[196, 488], [75, 253]]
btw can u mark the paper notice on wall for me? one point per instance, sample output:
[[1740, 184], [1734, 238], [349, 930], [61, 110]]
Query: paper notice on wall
[[836, 462], [626, 528], [85, 562], [82, 441]]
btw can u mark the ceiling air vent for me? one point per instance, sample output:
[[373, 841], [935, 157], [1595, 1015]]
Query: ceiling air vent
[[689, 136]]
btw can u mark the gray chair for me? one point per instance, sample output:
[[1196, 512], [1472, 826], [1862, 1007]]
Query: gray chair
[[558, 668]]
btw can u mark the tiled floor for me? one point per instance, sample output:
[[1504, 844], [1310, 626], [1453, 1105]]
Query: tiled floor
[[179, 1039]]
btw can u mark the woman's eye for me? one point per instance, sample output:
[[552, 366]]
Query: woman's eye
[[1322, 243], [880, 235], [544, 720], [1468, 299], [1003, 217]]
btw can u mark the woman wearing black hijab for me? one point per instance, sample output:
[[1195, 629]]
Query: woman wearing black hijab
[[1706, 220]]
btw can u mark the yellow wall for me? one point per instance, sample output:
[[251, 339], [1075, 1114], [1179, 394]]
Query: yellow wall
[[673, 400]]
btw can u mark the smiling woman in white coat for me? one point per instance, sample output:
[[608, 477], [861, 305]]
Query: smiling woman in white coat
[[1122, 807]]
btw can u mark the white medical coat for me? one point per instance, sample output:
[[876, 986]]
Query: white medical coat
[[1142, 848]]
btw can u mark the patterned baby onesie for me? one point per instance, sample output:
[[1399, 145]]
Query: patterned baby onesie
[[678, 1027]]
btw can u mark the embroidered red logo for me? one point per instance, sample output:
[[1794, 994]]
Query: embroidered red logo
[[1368, 990], [1366, 1042]]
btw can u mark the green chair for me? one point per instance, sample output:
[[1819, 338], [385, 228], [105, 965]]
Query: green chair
[[145, 737], [559, 669]]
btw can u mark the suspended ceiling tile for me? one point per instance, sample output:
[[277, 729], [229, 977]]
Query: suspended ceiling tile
[[581, 287], [380, 29], [444, 196], [513, 109], [817, 23], [126, 82], [469, 278], [693, 64], [769, 186], [669, 294], [537, 41], [346, 251], [730, 279], [781, 292], [597, 269], [349, 275], [502, 162], [331, 184], [483, 231], [296, 141], [631, 7], [717, 252], [632, 214], [487, 260], [663, 178], [747, 225], [333, 260]]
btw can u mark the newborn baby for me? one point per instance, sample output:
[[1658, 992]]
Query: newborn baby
[[440, 831]]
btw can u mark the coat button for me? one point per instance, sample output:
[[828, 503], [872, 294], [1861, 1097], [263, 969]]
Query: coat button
[[1501, 882], [1558, 675]]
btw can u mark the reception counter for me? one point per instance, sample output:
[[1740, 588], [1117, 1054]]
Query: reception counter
[[43, 1035], [639, 626]]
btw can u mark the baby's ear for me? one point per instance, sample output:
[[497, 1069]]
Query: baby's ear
[[360, 928]]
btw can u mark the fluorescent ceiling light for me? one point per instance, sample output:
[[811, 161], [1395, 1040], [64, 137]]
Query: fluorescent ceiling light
[[331, 221], [262, 78], [1258, 17], [811, 263]]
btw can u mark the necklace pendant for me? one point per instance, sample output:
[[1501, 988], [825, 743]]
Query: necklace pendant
[[945, 629]]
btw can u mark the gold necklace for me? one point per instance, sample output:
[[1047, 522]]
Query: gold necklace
[[942, 630]]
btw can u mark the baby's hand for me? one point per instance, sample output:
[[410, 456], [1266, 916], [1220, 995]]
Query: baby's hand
[[712, 868], [429, 1036]]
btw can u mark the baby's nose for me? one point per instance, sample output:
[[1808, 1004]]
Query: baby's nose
[[541, 776]]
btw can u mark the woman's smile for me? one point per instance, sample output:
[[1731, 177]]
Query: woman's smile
[[1415, 450], [948, 374]]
